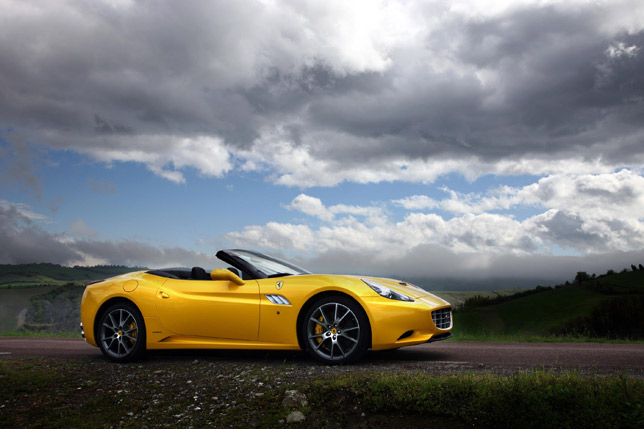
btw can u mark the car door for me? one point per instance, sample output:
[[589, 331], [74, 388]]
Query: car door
[[210, 308]]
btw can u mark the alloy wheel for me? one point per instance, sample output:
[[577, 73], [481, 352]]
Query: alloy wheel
[[119, 333], [333, 331]]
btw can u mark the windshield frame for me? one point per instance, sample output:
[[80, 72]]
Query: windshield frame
[[258, 265]]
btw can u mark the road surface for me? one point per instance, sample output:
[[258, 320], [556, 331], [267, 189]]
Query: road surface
[[448, 355]]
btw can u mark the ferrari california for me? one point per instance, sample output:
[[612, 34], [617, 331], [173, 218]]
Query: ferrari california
[[258, 302]]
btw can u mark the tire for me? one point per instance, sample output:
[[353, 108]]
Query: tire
[[121, 333], [336, 330]]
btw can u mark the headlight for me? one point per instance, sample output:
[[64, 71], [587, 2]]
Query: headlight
[[386, 292]]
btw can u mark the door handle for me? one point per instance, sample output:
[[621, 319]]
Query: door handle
[[164, 295]]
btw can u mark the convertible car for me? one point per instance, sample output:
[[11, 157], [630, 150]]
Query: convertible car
[[258, 302]]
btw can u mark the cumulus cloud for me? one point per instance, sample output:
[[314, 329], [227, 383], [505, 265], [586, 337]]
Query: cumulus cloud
[[166, 156], [313, 206], [583, 215], [619, 194], [385, 239], [416, 202], [275, 235], [320, 92]]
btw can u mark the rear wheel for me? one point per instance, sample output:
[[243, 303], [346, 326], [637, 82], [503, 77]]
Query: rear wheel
[[336, 330], [121, 332]]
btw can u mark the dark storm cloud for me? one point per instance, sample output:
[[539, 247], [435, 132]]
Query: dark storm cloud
[[571, 230], [566, 229], [23, 241], [558, 82], [150, 67], [549, 95]]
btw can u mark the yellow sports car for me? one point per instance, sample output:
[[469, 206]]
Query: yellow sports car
[[258, 302]]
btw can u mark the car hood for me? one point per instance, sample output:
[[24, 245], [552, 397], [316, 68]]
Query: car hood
[[406, 288]]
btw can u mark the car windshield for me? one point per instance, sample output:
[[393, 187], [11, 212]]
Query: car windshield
[[270, 266]]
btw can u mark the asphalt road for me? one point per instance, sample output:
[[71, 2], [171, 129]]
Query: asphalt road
[[449, 355]]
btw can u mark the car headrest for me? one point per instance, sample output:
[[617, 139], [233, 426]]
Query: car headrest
[[199, 273]]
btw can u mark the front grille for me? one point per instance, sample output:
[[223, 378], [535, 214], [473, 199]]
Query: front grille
[[442, 318]]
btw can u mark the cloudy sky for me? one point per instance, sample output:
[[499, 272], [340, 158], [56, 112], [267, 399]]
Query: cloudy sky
[[437, 139]]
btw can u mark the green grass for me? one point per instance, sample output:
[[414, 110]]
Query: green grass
[[537, 399], [40, 334], [528, 316], [625, 282], [609, 306], [52, 274], [524, 338]]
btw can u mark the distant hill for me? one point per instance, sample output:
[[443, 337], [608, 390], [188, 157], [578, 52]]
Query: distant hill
[[458, 297], [47, 296], [52, 274], [609, 306]]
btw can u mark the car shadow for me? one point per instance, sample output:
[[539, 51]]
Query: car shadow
[[280, 357], [408, 354], [242, 356]]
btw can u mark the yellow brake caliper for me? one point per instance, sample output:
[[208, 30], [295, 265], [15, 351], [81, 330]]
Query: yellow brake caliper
[[133, 330], [319, 329]]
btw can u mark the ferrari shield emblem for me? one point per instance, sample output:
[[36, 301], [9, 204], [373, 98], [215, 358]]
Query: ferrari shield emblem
[[279, 285]]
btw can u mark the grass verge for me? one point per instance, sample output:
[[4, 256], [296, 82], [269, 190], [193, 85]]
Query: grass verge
[[40, 334], [527, 338], [537, 399], [233, 393]]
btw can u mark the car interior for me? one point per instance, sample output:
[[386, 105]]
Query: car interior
[[197, 273]]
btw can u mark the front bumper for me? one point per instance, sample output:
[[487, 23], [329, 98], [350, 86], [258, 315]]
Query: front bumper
[[440, 337], [397, 324]]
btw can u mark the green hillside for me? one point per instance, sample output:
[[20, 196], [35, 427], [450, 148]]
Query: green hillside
[[26, 289], [607, 306], [52, 274], [458, 297]]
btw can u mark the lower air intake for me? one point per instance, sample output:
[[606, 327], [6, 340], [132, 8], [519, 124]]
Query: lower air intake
[[442, 318]]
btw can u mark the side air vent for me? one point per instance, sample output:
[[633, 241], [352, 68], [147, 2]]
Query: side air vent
[[277, 299], [405, 335], [442, 318]]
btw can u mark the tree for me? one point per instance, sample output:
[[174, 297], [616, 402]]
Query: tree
[[581, 277]]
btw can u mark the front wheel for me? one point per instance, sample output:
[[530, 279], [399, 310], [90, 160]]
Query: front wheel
[[336, 330], [121, 333]]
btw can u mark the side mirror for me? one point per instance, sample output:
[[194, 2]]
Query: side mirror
[[221, 274]]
